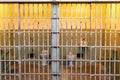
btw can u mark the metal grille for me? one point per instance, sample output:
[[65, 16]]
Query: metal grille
[[25, 33], [59, 41], [90, 32]]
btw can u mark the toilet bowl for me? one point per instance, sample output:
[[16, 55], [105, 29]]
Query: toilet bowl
[[71, 57], [44, 55]]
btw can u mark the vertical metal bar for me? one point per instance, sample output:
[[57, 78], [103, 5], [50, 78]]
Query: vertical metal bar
[[24, 34], [71, 36], [0, 57], [100, 39], [66, 39], [55, 42], [110, 40], [62, 33], [96, 10], [81, 53], [4, 62], [33, 36], [71, 27], [105, 42], [19, 43], [14, 41], [38, 39], [115, 37], [29, 39], [1, 63], [43, 36], [0, 50], [76, 33], [48, 28], [86, 13], [43, 32], [90, 39], [61, 43], [9, 58], [47, 22]]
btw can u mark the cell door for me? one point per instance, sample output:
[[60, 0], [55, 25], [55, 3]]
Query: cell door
[[59, 41]]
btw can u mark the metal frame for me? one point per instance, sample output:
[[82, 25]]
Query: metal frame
[[19, 42], [64, 1], [55, 37], [55, 42]]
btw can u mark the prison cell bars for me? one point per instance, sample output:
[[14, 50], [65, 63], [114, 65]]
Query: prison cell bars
[[70, 37], [23, 5], [38, 39], [76, 38], [62, 43], [115, 42], [4, 42], [55, 42], [35, 46], [0, 57], [47, 42], [86, 11], [105, 43], [61, 1], [48, 39], [81, 40], [100, 39], [67, 39], [90, 33], [13, 48], [95, 38], [29, 37], [43, 32], [14, 41], [19, 42], [110, 41], [9, 57], [33, 35]]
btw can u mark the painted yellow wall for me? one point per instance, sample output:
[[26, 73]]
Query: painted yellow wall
[[97, 11], [9, 16]]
